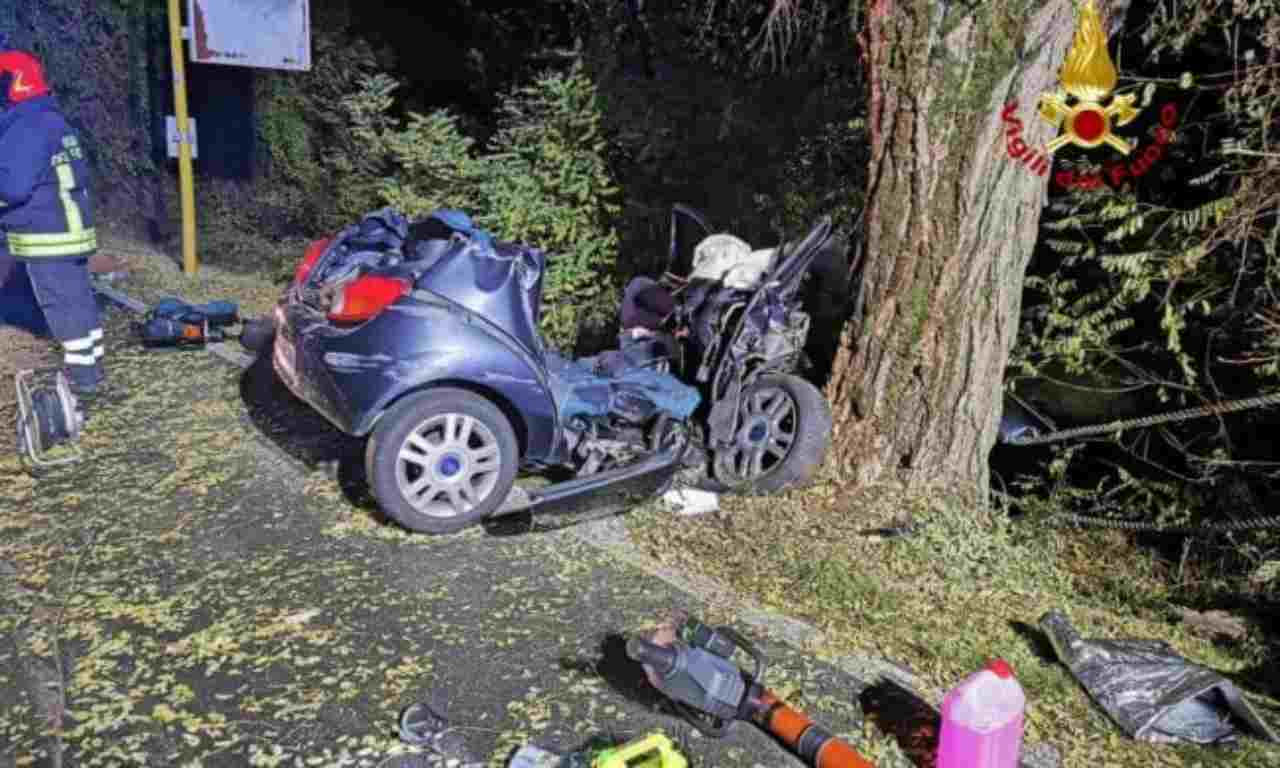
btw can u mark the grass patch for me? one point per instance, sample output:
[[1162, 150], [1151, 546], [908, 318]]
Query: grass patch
[[968, 585]]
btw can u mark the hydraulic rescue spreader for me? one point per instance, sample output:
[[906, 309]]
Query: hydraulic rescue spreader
[[697, 672]]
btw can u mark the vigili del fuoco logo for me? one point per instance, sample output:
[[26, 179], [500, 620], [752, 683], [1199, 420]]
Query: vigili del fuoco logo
[[1085, 111]]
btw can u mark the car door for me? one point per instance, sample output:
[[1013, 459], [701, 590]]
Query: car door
[[688, 228]]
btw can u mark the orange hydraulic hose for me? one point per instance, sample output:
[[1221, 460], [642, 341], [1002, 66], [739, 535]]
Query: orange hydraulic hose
[[810, 740]]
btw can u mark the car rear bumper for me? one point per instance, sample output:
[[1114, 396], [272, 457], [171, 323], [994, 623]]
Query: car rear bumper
[[299, 362]]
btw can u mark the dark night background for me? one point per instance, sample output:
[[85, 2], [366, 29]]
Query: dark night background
[[449, 53]]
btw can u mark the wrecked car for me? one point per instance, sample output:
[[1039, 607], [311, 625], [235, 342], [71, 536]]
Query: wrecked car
[[423, 336]]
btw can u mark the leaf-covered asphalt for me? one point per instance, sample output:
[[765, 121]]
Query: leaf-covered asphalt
[[192, 595]]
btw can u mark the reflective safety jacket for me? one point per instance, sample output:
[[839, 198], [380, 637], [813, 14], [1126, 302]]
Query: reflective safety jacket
[[45, 209]]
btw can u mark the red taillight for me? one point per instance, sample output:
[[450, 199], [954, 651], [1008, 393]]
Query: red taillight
[[365, 297], [309, 259]]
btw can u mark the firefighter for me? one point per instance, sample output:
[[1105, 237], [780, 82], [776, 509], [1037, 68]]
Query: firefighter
[[46, 215]]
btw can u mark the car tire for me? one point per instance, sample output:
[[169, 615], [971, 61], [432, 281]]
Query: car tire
[[776, 408], [258, 334], [464, 449]]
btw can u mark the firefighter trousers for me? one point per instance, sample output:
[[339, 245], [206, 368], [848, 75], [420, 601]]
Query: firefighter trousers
[[62, 290]]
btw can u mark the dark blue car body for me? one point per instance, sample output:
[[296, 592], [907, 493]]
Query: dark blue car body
[[424, 338], [470, 321]]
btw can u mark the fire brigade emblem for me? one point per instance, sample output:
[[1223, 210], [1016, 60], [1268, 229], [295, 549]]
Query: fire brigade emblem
[[1086, 80]]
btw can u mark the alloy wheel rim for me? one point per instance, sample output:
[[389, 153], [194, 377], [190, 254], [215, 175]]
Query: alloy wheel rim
[[765, 436], [448, 465]]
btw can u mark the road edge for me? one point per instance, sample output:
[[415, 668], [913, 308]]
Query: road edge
[[610, 535]]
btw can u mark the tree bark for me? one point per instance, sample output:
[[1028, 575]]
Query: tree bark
[[949, 231]]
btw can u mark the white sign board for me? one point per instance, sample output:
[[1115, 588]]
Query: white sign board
[[171, 130], [271, 34]]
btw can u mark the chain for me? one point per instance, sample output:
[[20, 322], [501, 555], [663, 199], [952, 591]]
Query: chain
[[1212, 409], [1228, 526], [1068, 519]]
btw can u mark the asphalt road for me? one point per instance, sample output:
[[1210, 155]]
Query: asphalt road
[[201, 591]]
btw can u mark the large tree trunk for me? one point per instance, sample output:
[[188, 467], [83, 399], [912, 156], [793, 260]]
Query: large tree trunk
[[949, 231]]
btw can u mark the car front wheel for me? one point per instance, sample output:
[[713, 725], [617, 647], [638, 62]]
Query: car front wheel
[[782, 439], [442, 460]]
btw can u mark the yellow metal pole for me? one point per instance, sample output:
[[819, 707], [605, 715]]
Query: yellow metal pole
[[186, 185]]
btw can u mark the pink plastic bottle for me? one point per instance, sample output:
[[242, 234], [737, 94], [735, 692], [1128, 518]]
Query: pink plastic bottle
[[982, 720]]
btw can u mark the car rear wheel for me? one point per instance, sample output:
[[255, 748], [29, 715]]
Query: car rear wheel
[[442, 460]]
